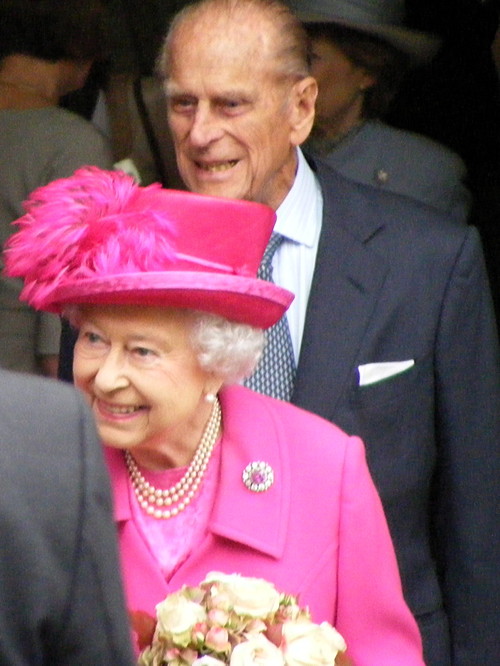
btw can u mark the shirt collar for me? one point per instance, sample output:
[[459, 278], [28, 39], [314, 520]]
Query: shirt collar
[[296, 216]]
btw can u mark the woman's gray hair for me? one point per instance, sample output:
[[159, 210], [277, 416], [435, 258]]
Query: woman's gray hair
[[225, 348]]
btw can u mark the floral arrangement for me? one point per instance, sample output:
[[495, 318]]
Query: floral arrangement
[[240, 621]]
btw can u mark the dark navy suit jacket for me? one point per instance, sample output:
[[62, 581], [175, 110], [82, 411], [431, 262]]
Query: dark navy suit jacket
[[394, 281]]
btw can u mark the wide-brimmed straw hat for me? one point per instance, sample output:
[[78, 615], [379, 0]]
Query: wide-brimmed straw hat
[[380, 18], [98, 238]]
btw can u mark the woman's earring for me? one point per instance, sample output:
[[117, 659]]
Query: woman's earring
[[210, 397]]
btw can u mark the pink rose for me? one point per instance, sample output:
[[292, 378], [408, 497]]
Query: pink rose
[[218, 617], [217, 639]]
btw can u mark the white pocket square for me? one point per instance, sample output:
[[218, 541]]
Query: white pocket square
[[376, 372]]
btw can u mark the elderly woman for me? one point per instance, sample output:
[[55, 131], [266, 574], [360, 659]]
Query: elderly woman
[[207, 475], [360, 54]]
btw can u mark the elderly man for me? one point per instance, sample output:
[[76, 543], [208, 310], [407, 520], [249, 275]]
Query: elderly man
[[392, 328]]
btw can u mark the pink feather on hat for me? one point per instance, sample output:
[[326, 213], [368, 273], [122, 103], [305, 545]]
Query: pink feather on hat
[[98, 238], [71, 226]]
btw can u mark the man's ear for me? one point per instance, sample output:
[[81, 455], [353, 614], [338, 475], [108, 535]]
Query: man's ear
[[302, 103]]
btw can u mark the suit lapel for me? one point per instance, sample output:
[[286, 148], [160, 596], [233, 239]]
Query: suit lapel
[[346, 286]]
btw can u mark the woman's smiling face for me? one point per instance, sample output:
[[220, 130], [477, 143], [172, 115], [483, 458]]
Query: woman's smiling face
[[143, 381]]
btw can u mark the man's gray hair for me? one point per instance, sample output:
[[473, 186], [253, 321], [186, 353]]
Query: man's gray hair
[[293, 52]]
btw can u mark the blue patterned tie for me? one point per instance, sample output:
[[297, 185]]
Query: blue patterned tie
[[275, 373]]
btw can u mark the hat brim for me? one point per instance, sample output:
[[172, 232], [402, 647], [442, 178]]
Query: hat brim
[[421, 47], [237, 298]]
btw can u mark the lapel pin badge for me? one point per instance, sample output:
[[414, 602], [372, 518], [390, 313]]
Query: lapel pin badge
[[381, 177], [258, 476]]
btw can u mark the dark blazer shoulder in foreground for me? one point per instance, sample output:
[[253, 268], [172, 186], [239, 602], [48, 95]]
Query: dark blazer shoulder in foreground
[[395, 281], [61, 595]]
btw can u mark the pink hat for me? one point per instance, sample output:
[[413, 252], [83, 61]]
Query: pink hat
[[98, 238]]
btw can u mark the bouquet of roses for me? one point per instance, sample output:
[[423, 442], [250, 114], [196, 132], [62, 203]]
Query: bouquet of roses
[[231, 619]]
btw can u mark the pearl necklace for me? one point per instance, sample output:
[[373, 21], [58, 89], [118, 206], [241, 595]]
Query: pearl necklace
[[154, 500]]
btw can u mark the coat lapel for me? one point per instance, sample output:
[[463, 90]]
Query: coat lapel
[[266, 513], [347, 284]]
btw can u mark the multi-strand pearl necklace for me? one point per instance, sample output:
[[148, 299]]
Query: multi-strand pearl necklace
[[168, 503]]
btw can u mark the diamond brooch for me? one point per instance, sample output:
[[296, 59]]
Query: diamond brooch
[[258, 476]]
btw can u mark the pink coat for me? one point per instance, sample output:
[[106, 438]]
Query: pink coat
[[319, 532]]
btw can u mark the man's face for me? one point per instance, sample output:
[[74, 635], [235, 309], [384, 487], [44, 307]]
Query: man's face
[[230, 115]]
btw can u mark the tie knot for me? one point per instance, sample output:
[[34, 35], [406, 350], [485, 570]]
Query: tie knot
[[265, 269]]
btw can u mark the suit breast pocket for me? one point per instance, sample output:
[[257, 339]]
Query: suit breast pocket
[[395, 419], [407, 384]]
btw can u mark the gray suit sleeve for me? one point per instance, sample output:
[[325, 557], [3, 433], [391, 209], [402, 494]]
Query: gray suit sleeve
[[62, 601], [95, 606]]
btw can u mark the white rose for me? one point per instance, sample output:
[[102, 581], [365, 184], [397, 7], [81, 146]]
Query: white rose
[[252, 597], [307, 644], [177, 616], [257, 651]]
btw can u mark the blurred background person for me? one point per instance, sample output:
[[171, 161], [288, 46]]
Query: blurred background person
[[455, 99], [62, 597], [124, 98], [360, 54], [46, 51]]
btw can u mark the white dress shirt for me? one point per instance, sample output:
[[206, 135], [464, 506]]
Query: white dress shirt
[[299, 219]]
